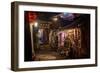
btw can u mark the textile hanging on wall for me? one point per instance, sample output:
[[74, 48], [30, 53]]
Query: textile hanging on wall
[[50, 37], [61, 38], [40, 35], [53, 38], [43, 36]]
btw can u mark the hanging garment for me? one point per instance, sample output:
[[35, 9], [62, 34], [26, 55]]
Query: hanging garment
[[50, 36], [40, 35], [61, 38], [53, 38]]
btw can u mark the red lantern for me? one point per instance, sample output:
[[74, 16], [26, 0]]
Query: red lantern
[[32, 17]]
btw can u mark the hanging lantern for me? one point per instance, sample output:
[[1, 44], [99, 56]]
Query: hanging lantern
[[32, 17]]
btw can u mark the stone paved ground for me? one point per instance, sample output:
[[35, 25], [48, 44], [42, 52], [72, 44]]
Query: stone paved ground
[[48, 54]]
